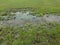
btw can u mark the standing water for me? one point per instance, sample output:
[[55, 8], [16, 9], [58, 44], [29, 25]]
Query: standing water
[[21, 18]]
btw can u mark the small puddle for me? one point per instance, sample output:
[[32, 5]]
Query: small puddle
[[21, 18]]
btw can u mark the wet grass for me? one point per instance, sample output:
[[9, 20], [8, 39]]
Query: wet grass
[[29, 35]]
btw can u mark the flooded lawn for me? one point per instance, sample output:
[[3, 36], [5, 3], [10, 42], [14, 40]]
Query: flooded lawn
[[16, 25], [19, 18]]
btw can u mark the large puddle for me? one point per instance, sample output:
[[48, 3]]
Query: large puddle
[[20, 18]]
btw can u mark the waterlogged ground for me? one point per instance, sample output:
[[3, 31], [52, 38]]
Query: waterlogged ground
[[24, 28], [20, 18]]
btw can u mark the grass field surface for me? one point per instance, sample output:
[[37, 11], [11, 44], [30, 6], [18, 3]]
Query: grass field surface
[[29, 34], [43, 6]]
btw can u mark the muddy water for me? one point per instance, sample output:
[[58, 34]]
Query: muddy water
[[21, 18]]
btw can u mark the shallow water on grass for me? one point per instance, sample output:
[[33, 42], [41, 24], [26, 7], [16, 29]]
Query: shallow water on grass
[[27, 17], [21, 18]]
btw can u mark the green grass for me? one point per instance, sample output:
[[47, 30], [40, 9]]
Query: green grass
[[29, 35], [41, 6]]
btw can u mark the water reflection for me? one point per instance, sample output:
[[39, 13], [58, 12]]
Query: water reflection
[[21, 18]]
